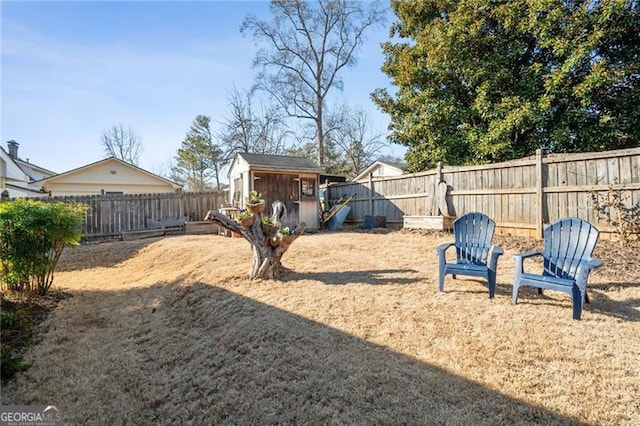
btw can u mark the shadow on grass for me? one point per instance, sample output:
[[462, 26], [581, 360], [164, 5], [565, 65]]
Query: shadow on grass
[[600, 301], [372, 277], [93, 255], [199, 354]]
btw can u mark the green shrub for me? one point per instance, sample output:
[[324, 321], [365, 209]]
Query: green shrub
[[10, 320], [32, 237], [15, 328], [9, 363]]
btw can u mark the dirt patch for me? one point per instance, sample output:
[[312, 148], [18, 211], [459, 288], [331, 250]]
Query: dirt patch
[[171, 331], [21, 317]]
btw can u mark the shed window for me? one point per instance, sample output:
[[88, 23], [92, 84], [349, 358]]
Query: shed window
[[308, 187]]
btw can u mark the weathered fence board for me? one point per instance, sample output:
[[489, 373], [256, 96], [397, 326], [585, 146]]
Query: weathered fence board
[[521, 195], [111, 216]]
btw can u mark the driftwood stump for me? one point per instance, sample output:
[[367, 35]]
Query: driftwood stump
[[269, 240]]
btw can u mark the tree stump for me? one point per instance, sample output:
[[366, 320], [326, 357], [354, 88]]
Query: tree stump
[[269, 240]]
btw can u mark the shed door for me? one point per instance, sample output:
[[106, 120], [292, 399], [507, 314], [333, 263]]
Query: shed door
[[285, 188]]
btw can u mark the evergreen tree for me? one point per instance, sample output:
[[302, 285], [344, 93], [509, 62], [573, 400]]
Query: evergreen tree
[[481, 80], [199, 159]]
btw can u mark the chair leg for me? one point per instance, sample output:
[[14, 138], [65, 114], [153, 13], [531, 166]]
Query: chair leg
[[442, 270], [577, 302], [492, 284], [454, 276], [514, 298]]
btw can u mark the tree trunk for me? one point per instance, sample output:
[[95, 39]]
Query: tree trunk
[[268, 242]]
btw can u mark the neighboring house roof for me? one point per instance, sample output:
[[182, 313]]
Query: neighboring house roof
[[24, 189], [14, 179], [13, 170], [279, 162], [390, 169], [33, 171], [110, 159]]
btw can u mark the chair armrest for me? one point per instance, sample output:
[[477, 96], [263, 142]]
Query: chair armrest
[[520, 256], [496, 251], [594, 263], [519, 261], [443, 247], [587, 265], [584, 268]]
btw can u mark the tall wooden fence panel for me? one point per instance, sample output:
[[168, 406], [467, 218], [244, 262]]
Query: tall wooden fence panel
[[110, 216], [521, 195]]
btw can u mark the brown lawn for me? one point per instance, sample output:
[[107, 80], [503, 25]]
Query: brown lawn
[[170, 331]]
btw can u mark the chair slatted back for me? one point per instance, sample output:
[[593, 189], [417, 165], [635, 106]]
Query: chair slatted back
[[566, 243], [473, 235]]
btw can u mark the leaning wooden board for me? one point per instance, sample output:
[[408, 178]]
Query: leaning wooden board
[[442, 199], [431, 193]]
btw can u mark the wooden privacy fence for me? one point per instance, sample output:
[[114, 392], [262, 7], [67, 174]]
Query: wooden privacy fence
[[110, 216], [521, 195]]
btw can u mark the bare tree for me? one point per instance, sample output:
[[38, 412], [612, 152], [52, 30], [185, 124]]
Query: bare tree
[[244, 130], [123, 143], [169, 170], [307, 47], [357, 146]]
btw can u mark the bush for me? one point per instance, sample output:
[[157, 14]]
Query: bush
[[32, 237], [12, 324], [612, 209]]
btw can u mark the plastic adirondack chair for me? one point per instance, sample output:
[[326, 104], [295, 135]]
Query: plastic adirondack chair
[[567, 262], [473, 234]]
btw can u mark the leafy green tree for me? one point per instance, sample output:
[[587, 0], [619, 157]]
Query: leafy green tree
[[199, 159], [481, 80], [33, 235], [307, 45]]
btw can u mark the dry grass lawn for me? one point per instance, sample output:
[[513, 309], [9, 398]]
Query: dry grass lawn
[[171, 331]]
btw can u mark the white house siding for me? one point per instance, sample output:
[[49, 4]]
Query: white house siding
[[61, 189], [107, 176], [378, 169], [14, 180], [238, 172]]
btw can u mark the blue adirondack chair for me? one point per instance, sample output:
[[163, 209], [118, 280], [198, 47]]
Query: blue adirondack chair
[[567, 262], [473, 234]]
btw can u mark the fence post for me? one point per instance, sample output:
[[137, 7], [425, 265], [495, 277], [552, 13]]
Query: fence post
[[539, 195]]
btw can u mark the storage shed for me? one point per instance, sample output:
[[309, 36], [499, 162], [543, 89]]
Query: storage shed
[[292, 180]]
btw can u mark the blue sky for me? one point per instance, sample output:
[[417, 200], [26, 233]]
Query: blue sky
[[70, 70]]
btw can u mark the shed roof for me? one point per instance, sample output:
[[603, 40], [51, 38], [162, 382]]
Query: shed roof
[[280, 162]]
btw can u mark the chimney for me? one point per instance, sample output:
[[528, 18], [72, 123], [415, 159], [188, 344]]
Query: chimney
[[13, 149]]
